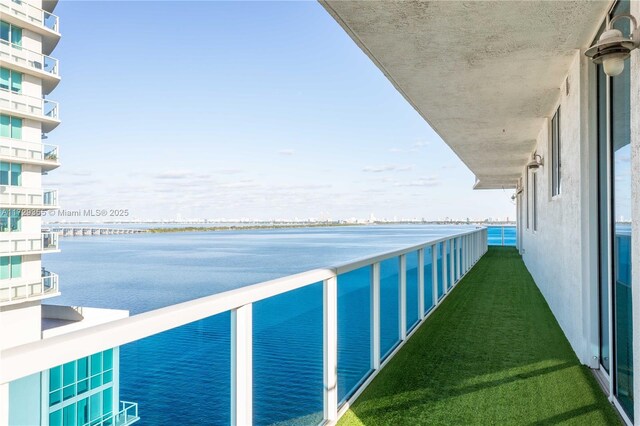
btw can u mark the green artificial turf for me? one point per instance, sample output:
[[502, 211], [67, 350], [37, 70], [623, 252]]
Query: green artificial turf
[[491, 354]]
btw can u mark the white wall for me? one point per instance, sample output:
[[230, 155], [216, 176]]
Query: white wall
[[554, 252], [19, 324]]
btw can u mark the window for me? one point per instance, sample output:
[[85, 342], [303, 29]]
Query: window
[[10, 33], [10, 80], [534, 200], [81, 391], [10, 174], [10, 220], [10, 267], [556, 159], [10, 127]]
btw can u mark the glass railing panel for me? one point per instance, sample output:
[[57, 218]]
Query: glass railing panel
[[449, 263], [428, 279], [413, 314], [502, 235], [288, 354], [456, 242], [389, 305], [354, 330], [460, 257], [623, 318], [187, 369], [440, 270]]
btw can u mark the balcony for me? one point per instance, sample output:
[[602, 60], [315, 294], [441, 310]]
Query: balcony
[[16, 244], [44, 155], [25, 15], [21, 290], [28, 198], [127, 415], [27, 61], [492, 354], [30, 107]]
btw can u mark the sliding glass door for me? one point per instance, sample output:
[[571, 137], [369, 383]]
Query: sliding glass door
[[614, 155]]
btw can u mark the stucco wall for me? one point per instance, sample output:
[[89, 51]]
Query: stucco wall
[[553, 253]]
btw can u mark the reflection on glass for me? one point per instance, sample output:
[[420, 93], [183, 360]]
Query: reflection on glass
[[289, 320], [194, 358], [428, 279], [389, 312], [620, 87], [412, 289], [354, 330]]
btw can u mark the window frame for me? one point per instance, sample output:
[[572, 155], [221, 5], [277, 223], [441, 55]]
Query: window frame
[[555, 149]]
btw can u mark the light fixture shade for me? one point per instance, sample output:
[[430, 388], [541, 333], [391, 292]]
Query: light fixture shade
[[611, 50], [613, 65]]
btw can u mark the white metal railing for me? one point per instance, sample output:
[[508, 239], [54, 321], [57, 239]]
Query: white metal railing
[[15, 149], [18, 292], [28, 58], [31, 14], [38, 356], [16, 244], [22, 197], [128, 414], [31, 105]]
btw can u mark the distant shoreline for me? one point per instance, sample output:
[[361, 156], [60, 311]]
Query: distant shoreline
[[161, 230]]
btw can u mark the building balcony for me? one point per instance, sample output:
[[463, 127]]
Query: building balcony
[[493, 353], [30, 107], [28, 198], [127, 415], [44, 155], [16, 243], [27, 61], [40, 21], [448, 331], [19, 290]]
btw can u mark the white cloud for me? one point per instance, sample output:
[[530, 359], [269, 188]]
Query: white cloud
[[422, 182], [286, 152], [387, 168]]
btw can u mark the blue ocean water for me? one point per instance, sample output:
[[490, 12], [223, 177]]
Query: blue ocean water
[[182, 376]]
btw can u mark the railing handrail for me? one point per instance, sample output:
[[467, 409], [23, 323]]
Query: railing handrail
[[48, 283], [351, 265], [30, 146], [30, 358], [19, 48], [45, 14], [22, 95]]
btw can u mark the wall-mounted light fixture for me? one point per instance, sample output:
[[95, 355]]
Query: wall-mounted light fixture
[[536, 161], [612, 48]]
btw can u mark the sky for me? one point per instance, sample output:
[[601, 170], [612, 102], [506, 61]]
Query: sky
[[242, 110]]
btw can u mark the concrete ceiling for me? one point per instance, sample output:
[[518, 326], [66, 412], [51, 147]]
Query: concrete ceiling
[[483, 74]]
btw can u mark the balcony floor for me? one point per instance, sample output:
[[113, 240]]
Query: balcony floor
[[492, 353]]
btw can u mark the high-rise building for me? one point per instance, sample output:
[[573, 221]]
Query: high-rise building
[[83, 391]]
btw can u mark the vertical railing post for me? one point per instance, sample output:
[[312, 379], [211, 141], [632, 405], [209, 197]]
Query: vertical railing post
[[421, 283], [241, 366], [402, 297], [330, 348], [375, 316], [434, 274]]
